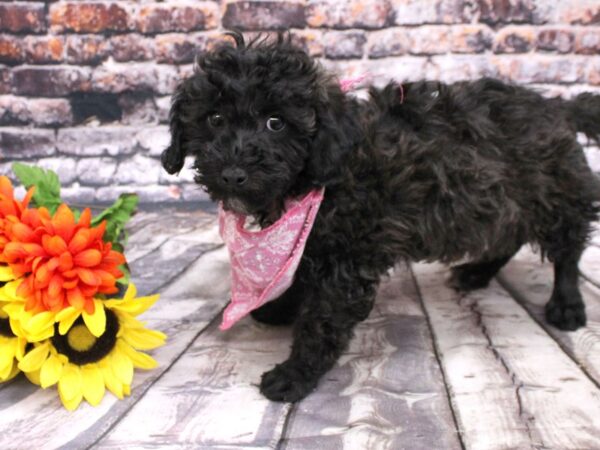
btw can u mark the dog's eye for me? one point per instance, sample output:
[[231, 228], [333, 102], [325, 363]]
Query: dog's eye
[[275, 123], [216, 120]]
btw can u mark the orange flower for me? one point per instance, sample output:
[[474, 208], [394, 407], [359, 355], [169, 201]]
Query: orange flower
[[65, 263], [10, 209]]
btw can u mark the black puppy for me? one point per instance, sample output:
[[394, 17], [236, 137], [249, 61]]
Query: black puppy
[[426, 171]]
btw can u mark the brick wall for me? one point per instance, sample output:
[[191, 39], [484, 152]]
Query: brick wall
[[84, 86]]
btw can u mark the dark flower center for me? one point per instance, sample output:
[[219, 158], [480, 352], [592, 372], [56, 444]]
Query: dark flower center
[[81, 347], [5, 328]]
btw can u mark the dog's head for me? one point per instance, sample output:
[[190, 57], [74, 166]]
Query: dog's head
[[263, 122]]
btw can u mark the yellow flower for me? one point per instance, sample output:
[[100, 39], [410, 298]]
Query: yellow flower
[[12, 347], [12, 350], [39, 326], [25, 324], [85, 365], [96, 322], [6, 274]]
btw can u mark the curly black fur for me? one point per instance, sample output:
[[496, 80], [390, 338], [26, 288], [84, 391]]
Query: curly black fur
[[472, 169]]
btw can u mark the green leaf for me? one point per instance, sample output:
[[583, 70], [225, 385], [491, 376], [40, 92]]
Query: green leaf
[[116, 216], [126, 278], [46, 182]]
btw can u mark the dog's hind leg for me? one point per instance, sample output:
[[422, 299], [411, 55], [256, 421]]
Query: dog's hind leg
[[566, 309], [476, 275]]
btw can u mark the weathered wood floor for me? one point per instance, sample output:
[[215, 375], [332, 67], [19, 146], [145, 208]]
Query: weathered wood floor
[[430, 369]]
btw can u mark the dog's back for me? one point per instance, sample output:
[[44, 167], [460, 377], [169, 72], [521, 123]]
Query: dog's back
[[492, 166]]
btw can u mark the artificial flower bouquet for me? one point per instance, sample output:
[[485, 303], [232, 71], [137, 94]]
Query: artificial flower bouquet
[[67, 308]]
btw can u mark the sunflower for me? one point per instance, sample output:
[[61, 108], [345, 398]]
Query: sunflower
[[64, 262], [84, 365], [12, 349], [39, 326]]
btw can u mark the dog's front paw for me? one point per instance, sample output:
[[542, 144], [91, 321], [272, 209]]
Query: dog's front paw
[[565, 317], [286, 383]]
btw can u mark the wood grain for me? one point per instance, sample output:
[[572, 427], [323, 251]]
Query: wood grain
[[530, 280], [429, 369], [28, 413], [386, 392], [512, 385], [209, 396], [150, 235]]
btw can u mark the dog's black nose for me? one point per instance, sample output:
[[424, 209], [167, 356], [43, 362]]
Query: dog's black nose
[[234, 176]]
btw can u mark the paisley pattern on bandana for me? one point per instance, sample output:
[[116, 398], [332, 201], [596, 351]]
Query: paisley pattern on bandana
[[263, 263]]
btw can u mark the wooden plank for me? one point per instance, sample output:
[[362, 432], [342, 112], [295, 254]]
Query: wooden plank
[[150, 213], [155, 233], [512, 385], [173, 257], [202, 392], [165, 247], [530, 280], [387, 391], [589, 267], [209, 397], [28, 413]]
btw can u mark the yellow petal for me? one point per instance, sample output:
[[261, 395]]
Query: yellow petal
[[127, 389], [11, 374], [14, 309], [45, 334], [127, 321], [131, 292], [64, 313], [93, 384], [6, 369], [96, 322], [122, 367], [66, 318], [20, 350], [34, 377], [9, 291], [140, 360], [41, 320], [6, 273], [111, 382], [7, 357], [144, 339], [73, 403], [69, 385], [40, 323], [134, 306], [15, 327], [34, 359], [8, 349], [51, 371]]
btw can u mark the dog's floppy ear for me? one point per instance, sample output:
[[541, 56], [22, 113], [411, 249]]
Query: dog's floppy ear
[[173, 157], [337, 134]]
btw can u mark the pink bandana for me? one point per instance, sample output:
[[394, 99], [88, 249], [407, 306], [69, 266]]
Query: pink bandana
[[263, 263]]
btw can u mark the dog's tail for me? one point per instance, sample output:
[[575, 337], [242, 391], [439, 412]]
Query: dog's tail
[[584, 113]]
